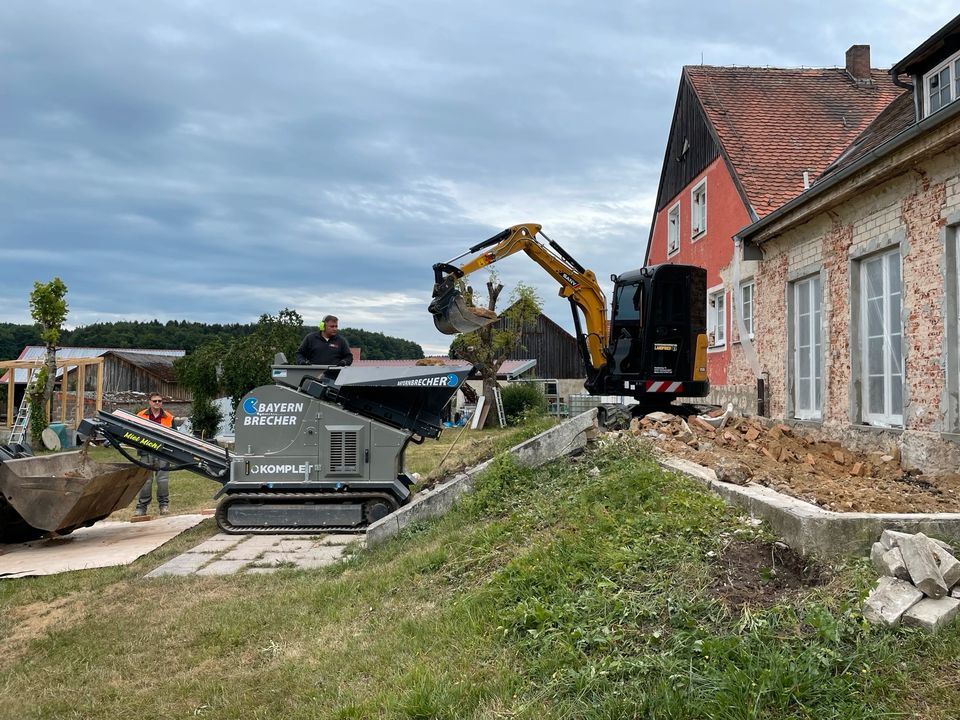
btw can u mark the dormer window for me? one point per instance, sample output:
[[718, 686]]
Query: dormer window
[[942, 84]]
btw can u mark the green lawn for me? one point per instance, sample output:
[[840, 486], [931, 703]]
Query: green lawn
[[556, 593]]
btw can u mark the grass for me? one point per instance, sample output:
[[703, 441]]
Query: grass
[[546, 594]]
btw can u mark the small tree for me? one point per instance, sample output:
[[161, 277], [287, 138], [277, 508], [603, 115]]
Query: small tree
[[48, 308], [235, 368], [489, 346]]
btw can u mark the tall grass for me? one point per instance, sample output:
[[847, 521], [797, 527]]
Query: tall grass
[[556, 593]]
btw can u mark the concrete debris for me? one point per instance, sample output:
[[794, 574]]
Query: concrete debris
[[893, 538], [888, 562], [731, 471], [931, 615], [890, 600], [659, 417], [931, 597], [923, 567], [593, 472]]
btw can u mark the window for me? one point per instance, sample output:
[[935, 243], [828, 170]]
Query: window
[[673, 229], [717, 319], [880, 333], [807, 375], [942, 84], [698, 209], [746, 303]]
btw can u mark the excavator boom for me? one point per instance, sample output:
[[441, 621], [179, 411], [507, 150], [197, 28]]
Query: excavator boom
[[452, 313]]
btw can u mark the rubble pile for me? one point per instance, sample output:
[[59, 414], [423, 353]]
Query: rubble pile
[[920, 583], [746, 450]]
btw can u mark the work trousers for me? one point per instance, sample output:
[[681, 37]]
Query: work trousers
[[162, 476]]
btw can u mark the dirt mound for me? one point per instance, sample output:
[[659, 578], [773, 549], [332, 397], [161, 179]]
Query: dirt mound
[[759, 574], [746, 450]]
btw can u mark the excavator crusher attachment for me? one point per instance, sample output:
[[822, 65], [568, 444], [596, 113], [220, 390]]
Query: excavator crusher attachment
[[56, 494], [451, 313]]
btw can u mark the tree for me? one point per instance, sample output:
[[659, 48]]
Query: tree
[[237, 366], [49, 309], [489, 346]]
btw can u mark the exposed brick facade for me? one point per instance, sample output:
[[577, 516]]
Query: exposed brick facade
[[908, 201]]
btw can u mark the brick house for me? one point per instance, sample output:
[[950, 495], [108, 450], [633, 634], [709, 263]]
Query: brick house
[[857, 294], [743, 141]]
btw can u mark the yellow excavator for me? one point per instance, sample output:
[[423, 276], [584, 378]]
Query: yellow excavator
[[654, 347]]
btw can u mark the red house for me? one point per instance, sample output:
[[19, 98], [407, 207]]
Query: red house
[[744, 141]]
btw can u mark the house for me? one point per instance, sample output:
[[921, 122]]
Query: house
[[743, 141], [857, 296]]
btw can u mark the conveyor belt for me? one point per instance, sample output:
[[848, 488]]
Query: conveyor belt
[[179, 450]]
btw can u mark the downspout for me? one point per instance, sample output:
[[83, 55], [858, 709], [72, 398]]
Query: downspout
[[745, 341], [917, 110]]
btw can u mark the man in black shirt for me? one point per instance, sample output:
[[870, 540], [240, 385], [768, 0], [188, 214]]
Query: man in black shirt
[[324, 347]]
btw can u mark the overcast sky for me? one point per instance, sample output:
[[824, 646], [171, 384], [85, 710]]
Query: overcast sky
[[215, 160]]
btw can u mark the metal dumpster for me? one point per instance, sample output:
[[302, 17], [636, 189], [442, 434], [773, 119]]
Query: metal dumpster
[[56, 494]]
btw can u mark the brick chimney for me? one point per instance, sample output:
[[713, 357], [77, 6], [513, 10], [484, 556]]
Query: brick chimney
[[858, 62]]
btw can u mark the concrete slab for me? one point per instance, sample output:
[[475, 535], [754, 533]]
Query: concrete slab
[[105, 544], [218, 543], [222, 567], [341, 539], [185, 564], [890, 600], [811, 530]]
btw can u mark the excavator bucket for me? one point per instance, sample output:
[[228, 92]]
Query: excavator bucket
[[56, 494], [452, 315]]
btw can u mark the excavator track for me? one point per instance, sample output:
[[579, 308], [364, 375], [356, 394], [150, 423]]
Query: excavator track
[[367, 507]]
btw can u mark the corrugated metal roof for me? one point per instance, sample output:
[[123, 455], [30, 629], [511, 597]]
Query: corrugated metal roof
[[39, 352]]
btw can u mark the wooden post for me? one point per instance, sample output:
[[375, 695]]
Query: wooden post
[[81, 384], [99, 383], [11, 386], [63, 394]]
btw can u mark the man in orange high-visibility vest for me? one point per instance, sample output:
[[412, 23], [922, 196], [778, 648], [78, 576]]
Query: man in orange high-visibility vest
[[155, 413]]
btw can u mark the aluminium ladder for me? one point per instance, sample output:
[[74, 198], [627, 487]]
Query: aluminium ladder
[[498, 398], [19, 428]]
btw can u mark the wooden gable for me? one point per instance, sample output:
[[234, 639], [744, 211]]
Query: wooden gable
[[691, 146]]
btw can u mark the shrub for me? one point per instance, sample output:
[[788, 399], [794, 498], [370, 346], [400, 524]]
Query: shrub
[[204, 418], [523, 400]]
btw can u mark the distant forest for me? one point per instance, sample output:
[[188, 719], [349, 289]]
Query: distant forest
[[184, 335]]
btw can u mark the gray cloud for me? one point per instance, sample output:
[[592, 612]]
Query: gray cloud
[[217, 160]]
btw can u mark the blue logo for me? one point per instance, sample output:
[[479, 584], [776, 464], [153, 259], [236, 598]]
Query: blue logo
[[250, 405], [451, 380]]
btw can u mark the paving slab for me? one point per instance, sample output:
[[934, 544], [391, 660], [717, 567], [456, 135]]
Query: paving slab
[[185, 564], [340, 539], [222, 567], [890, 600], [292, 545], [219, 543], [247, 551], [104, 544], [260, 570]]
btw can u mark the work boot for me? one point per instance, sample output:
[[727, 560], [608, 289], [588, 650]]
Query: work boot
[[140, 512], [164, 510]]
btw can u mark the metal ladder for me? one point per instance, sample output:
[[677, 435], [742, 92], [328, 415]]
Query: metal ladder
[[499, 402], [19, 428]]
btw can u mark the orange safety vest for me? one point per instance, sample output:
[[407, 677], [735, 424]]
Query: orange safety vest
[[166, 419]]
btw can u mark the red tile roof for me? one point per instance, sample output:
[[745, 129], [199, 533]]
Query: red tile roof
[[775, 123]]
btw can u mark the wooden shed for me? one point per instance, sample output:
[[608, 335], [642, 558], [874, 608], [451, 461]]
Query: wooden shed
[[554, 349]]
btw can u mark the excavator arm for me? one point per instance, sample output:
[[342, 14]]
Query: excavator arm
[[453, 314]]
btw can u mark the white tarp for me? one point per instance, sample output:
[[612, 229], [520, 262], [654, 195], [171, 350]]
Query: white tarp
[[103, 545]]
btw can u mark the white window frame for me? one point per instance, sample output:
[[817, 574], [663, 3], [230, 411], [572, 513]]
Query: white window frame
[[717, 317], [807, 348], [746, 306], [952, 86], [888, 312], [673, 230], [698, 209]]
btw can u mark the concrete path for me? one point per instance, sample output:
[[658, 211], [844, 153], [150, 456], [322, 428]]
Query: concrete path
[[257, 554]]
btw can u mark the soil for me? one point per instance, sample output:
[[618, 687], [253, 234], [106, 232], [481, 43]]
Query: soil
[[760, 574], [824, 473]]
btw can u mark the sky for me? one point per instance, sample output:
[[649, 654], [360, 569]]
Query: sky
[[216, 160]]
